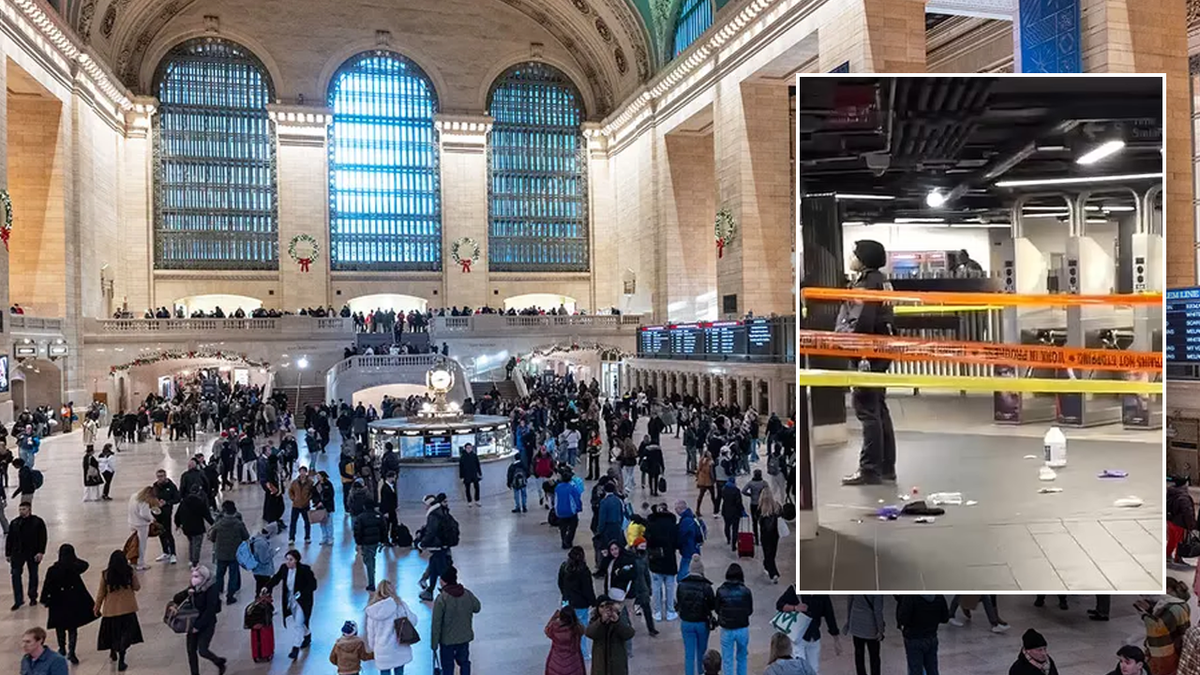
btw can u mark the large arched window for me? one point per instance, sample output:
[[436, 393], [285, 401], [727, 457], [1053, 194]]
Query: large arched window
[[695, 17], [537, 210], [384, 188], [215, 203]]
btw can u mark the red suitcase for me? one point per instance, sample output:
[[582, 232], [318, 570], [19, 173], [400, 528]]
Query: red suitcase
[[262, 643], [745, 539]]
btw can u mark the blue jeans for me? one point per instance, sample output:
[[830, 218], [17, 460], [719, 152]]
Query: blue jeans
[[685, 567], [235, 577], [519, 498], [327, 529], [922, 655], [584, 643], [393, 671], [735, 640], [695, 644], [662, 592], [456, 654], [753, 449]]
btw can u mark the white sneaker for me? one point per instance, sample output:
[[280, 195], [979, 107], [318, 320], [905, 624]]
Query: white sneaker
[[957, 622], [1001, 628], [657, 616], [671, 616], [171, 560], [161, 558]]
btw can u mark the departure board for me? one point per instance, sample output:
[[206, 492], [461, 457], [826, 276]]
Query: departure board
[[760, 337], [687, 340], [718, 340], [726, 338], [1182, 344]]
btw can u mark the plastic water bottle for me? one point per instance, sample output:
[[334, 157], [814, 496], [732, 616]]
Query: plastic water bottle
[[1054, 447]]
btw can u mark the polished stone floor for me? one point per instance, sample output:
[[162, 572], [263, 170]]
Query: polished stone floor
[[1014, 538], [1076, 643], [509, 561]]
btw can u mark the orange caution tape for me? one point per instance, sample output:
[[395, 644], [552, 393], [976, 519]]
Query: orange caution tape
[[1001, 299], [856, 345]]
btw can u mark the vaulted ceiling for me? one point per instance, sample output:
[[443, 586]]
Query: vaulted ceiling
[[616, 44]]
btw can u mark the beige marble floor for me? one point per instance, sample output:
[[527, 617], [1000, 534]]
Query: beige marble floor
[[509, 561]]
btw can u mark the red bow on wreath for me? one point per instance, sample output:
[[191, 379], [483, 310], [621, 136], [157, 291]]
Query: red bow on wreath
[[4, 234], [304, 263], [466, 265], [720, 248]]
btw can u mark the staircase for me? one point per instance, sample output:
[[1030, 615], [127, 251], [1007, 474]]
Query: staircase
[[507, 389], [381, 341], [312, 395]]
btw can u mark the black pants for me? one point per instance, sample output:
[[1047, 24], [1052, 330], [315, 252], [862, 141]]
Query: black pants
[[754, 513], [770, 546], [197, 646], [19, 565], [653, 485], [1103, 604], [393, 526], [731, 531], [67, 637], [647, 613], [108, 476], [593, 466], [302, 514], [261, 581], [566, 530], [711, 490], [871, 649], [878, 455], [467, 486], [165, 536]]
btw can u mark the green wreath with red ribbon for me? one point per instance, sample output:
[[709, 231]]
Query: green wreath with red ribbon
[[6, 228], [725, 229], [465, 252], [303, 249]]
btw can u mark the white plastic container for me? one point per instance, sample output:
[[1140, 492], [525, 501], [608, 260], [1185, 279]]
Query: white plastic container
[[1054, 448]]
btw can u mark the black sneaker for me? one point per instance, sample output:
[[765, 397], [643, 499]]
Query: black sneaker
[[16, 606], [889, 477], [73, 659], [32, 601], [1039, 602], [294, 653], [307, 641], [860, 478]]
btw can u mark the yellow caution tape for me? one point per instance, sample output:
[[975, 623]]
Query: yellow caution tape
[[851, 378]]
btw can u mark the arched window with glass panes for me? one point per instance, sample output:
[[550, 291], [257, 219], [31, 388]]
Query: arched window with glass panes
[[695, 17], [537, 167], [385, 208], [215, 201]]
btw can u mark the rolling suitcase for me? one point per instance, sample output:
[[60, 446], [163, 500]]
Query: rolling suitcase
[[262, 643], [745, 539]]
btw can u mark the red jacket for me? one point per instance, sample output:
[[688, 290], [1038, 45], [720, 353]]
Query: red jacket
[[565, 657]]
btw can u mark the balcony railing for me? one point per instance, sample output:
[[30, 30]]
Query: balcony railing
[[290, 325], [385, 361], [24, 323], [498, 323]]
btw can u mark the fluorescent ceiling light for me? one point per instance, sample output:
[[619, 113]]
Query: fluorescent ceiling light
[[1044, 208], [1059, 209], [935, 199], [1114, 208], [1096, 221], [920, 220], [1100, 152], [1051, 148], [1078, 180], [882, 198], [853, 222], [1060, 214]]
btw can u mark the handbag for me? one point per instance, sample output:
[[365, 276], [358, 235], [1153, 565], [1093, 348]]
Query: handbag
[[1190, 546], [155, 529], [181, 617], [317, 516], [406, 633], [93, 476], [132, 548], [784, 530]]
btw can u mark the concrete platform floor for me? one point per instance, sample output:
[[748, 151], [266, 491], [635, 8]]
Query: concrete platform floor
[[509, 561], [1076, 643], [1014, 538]]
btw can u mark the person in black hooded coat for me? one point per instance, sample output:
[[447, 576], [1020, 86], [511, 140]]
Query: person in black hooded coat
[[68, 600], [877, 460]]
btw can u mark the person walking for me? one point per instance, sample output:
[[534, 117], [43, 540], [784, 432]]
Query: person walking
[[470, 472], [753, 490], [369, 531], [26, 483], [205, 597], [691, 536], [167, 494], [300, 492], [389, 501], [866, 626], [990, 607], [299, 586], [576, 589], [610, 634], [324, 500], [107, 461], [816, 609], [226, 535], [662, 545], [92, 480], [516, 481], [766, 521], [68, 600], [731, 512], [781, 661], [453, 616], [191, 517], [37, 659], [568, 502], [23, 549], [384, 609], [734, 605], [706, 483], [117, 607], [349, 651], [918, 617], [565, 632], [696, 604], [143, 509], [441, 535], [273, 507]]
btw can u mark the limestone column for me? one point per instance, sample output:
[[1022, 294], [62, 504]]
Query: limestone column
[[751, 134], [686, 255], [1151, 36], [302, 174], [133, 283], [874, 36], [463, 140], [6, 406], [606, 284]]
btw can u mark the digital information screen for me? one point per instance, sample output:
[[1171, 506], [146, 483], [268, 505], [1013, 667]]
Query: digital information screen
[[718, 340], [1182, 343]]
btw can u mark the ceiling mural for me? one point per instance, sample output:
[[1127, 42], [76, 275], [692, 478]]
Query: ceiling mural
[[1193, 14]]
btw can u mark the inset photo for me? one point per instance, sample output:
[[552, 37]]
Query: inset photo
[[981, 262]]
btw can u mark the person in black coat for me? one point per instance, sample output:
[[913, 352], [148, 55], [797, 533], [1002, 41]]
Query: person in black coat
[[297, 598], [1033, 658], [25, 485], [191, 517], [918, 617], [735, 604], [470, 472], [652, 465], [205, 596], [388, 503], [662, 545], [68, 599], [273, 505], [23, 548], [323, 498], [168, 496], [731, 510]]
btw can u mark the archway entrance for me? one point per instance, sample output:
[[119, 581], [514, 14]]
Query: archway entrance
[[36, 383], [546, 301], [385, 301], [228, 304]]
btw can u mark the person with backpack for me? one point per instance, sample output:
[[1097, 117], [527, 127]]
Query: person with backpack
[[257, 557], [629, 460], [204, 594], [227, 535], [23, 549], [28, 481], [323, 499], [691, 535], [516, 481], [1181, 517], [470, 472], [696, 604], [369, 531], [440, 535], [734, 605]]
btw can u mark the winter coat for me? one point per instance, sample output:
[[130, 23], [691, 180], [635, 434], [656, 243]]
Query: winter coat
[[67, 597], [140, 513], [735, 604], [206, 601], [689, 535], [662, 543], [918, 616], [568, 501], [300, 492], [694, 599], [379, 632], [324, 497], [26, 537], [610, 519], [468, 466], [704, 473], [260, 546], [619, 574], [820, 607], [731, 502], [348, 653], [453, 615], [306, 586], [576, 587], [608, 653], [226, 535], [369, 528], [864, 617], [792, 666], [357, 502], [565, 657], [112, 602], [1022, 666], [193, 513], [1189, 657], [272, 506], [1165, 626], [1181, 509]]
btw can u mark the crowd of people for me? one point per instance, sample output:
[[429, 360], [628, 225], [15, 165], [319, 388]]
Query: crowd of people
[[643, 560]]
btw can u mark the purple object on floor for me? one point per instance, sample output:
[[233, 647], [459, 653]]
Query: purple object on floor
[[890, 512], [1112, 473]]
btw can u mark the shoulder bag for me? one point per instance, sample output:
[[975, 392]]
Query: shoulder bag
[[406, 633]]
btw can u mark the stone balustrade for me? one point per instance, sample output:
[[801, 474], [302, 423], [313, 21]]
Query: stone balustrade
[[284, 325], [498, 323]]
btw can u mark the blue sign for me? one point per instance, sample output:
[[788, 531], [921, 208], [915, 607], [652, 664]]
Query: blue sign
[[1182, 343], [1048, 37]]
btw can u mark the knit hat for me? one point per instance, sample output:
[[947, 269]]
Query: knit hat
[[640, 542], [697, 566], [349, 628], [870, 253], [1032, 640]]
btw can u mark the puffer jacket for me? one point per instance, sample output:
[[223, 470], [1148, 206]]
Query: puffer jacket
[[694, 598], [379, 632], [369, 528], [735, 604], [226, 535], [662, 543]]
